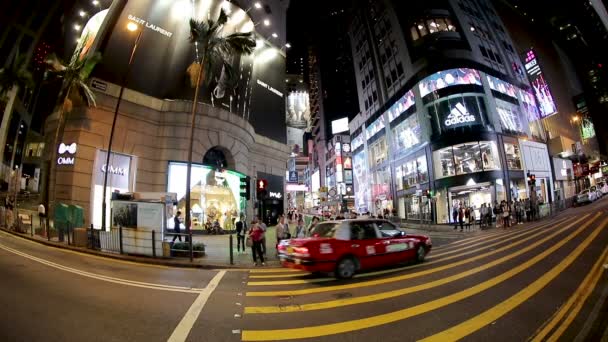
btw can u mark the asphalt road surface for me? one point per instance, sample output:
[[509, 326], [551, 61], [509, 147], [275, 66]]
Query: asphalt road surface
[[543, 281]]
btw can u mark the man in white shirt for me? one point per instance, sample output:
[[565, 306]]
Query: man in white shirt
[[41, 215]]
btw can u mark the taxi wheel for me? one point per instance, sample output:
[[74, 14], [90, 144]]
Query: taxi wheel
[[346, 268], [420, 253]]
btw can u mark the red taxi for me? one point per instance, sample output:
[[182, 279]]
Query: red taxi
[[345, 247]]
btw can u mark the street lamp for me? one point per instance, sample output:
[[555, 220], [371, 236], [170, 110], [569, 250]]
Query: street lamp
[[131, 27]]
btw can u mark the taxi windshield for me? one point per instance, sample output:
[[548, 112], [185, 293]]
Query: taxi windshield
[[324, 230]]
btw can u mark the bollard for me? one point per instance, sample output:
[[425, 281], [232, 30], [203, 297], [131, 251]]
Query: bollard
[[48, 229], [32, 225], [91, 239], [120, 238], [153, 244], [68, 231], [191, 249], [231, 250]]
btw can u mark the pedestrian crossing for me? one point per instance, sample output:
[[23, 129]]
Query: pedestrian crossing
[[503, 269]]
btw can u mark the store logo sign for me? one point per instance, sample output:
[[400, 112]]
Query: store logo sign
[[66, 150], [459, 115], [277, 195], [120, 171]]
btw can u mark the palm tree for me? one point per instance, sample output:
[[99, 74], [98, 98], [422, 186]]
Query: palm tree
[[15, 75], [214, 49], [74, 87]]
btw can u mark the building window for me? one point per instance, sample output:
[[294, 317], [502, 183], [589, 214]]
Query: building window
[[513, 156], [378, 152], [411, 172], [466, 158]]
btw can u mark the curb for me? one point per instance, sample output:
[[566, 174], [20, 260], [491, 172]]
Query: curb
[[135, 259]]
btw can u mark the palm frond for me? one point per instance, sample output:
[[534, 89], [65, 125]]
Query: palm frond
[[241, 43], [221, 20], [198, 30], [89, 64], [54, 64], [89, 96]]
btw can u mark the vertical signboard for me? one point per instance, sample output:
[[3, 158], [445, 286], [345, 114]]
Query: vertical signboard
[[539, 85]]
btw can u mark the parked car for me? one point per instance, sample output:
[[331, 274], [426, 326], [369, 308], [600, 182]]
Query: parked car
[[347, 246], [586, 196]]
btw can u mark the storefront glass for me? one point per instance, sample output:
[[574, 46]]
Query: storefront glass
[[510, 118], [407, 133], [381, 190], [411, 172], [513, 156], [362, 189], [215, 194], [466, 158], [378, 152]]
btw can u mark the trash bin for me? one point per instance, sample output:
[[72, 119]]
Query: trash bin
[[61, 219], [80, 237]]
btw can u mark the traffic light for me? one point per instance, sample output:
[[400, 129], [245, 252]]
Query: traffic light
[[261, 188], [246, 188]]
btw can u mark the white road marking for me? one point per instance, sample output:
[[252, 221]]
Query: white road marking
[[185, 325], [103, 277]]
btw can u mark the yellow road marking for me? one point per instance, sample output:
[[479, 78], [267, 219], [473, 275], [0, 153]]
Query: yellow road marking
[[272, 270], [403, 291], [471, 325], [513, 236], [578, 295], [374, 321], [107, 259], [579, 304], [397, 278], [289, 275]]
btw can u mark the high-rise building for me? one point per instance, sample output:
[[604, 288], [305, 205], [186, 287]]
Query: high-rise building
[[448, 117]]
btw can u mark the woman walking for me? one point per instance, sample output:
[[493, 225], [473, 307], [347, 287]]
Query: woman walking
[[256, 234]]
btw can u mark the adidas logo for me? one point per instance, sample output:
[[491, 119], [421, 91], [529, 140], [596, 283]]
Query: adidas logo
[[458, 115]]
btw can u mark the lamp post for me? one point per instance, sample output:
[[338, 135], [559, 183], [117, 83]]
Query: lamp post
[[131, 27]]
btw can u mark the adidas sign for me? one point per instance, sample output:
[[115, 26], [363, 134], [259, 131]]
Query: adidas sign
[[459, 115]]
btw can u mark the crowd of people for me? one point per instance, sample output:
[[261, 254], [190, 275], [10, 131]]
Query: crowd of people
[[504, 214]]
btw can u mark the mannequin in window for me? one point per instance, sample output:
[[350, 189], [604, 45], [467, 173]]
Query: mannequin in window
[[486, 160]]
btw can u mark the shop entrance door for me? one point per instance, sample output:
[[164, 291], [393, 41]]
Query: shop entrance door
[[470, 196]]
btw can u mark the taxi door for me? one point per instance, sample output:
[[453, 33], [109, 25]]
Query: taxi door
[[366, 244]]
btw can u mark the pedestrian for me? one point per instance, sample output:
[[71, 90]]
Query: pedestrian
[[461, 218], [527, 209], [241, 231], [282, 232], [256, 234], [300, 231], [497, 214], [467, 217], [313, 224], [482, 215], [264, 228], [176, 227], [41, 216], [455, 217], [505, 214]]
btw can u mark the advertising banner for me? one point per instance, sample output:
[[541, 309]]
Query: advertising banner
[[502, 87], [448, 78], [539, 84], [399, 107]]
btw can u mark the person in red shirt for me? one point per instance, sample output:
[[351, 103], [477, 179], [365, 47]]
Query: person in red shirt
[[256, 234]]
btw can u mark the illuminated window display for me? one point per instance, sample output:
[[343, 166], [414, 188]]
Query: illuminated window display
[[357, 142], [466, 158], [501, 86], [374, 127], [411, 172], [378, 152], [529, 103], [362, 190], [215, 195], [510, 119], [448, 78], [513, 156], [407, 133], [540, 86]]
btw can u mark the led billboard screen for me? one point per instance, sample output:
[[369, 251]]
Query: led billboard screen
[[540, 86], [399, 107], [339, 126], [448, 78]]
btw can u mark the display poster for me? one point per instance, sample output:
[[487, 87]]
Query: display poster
[[150, 215], [374, 127], [539, 84], [124, 214], [357, 142], [399, 107], [448, 78], [502, 87], [361, 181]]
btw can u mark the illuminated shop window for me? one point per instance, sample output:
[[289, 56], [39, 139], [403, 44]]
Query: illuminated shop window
[[466, 158], [423, 27]]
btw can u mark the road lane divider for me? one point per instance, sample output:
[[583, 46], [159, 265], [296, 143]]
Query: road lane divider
[[403, 276], [574, 304], [491, 315], [272, 270], [399, 292], [183, 328], [399, 315], [103, 277]]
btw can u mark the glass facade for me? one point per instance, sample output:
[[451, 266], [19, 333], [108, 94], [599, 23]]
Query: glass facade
[[466, 158], [407, 134], [378, 152], [410, 172]]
